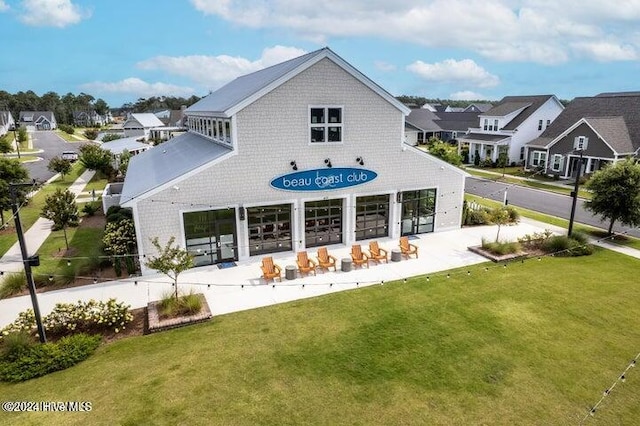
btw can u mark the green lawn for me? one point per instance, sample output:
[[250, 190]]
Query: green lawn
[[504, 346], [31, 212], [73, 138], [563, 223]]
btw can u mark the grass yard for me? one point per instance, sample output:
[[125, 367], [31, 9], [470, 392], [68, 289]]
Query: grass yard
[[563, 223], [31, 212], [515, 345]]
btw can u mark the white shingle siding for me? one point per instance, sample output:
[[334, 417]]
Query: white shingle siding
[[274, 130]]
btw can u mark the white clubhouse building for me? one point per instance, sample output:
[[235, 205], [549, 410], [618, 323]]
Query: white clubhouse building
[[306, 153]]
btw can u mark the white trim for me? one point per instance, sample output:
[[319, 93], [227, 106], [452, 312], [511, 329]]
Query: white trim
[[583, 120]]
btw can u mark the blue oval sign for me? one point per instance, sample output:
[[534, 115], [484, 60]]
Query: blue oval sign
[[323, 179]]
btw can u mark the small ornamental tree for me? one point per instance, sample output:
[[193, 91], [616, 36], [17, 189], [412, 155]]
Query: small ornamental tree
[[22, 134], [59, 165], [95, 158], [120, 240], [91, 134], [11, 171], [616, 193], [5, 144], [60, 207], [171, 261], [499, 216]]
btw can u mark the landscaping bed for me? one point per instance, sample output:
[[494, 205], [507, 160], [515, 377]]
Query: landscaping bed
[[156, 322]]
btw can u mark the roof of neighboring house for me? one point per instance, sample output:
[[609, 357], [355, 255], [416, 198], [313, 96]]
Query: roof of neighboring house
[[511, 104], [146, 119], [614, 131], [625, 105], [168, 161], [478, 107], [246, 89], [484, 137], [28, 116], [427, 120], [4, 117], [409, 126], [118, 145], [609, 94]]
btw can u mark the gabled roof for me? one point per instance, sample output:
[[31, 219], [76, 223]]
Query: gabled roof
[[429, 121], [118, 145], [625, 105], [510, 104], [4, 117], [244, 90], [31, 115], [614, 132], [168, 161], [147, 119], [478, 107]]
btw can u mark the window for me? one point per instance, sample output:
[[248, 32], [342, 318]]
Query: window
[[486, 123], [325, 124], [227, 131], [269, 229], [372, 217], [580, 143], [539, 159], [495, 125], [323, 222], [556, 165], [548, 122], [522, 153], [539, 124]]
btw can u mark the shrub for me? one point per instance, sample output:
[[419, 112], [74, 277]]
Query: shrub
[[487, 162], [561, 245], [187, 304], [110, 137], [514, 216], [67, 128], [478, 217], [535, 240], [501, 248], [12, 284], [580, 237], [91, 134], [91, 208], [556, 244], [35, 360], [15, 343]]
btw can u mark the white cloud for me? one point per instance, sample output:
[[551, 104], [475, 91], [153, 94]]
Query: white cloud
[[214, 71], [384, 66], [139, 88], [542, 31], [466, 95], [3, 6], [465, 72], [604, 51], [51, 13]]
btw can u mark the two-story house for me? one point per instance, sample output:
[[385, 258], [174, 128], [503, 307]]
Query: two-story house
[[6, 122], [305, 153], [602, 129], [141, 125], [90, 118], [509, 125]]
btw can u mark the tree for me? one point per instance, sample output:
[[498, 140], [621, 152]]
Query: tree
[[616, 193], [91, 134], [22, 134], [60, 207], [11, 171], [171, 260], [124, 162], [95, 158], [59, 165], [499, 216], [110, 137], [101, 106], [445, 152], [5, 144], [120, 240]]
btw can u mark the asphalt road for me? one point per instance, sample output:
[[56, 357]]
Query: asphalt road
[[52, 146], [540, 201]]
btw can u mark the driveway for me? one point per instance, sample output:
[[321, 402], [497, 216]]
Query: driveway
[[52, 146]]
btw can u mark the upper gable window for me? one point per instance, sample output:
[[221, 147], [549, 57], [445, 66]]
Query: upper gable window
[[580, 143], [325, 124]]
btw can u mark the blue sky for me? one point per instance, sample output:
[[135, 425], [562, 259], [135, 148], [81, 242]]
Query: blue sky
[[459, 49]]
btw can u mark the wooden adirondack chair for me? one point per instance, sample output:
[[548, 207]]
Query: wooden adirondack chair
[[376, 253], [305, 265], [325, 260], [270, 271], [407, 249], [358, 257]]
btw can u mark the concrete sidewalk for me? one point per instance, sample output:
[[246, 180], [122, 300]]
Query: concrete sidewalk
[[240, 287], [39, 231]]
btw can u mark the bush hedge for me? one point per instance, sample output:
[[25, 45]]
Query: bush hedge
[[25, 360]]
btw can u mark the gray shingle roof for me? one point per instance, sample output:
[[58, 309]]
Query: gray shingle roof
[[235, 93], [430, 121], [168, 161], [483, 137], [35, 115], [614, 131], [510, 104], [626, 106]]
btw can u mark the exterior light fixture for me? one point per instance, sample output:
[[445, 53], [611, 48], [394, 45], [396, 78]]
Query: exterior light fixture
[[360, 161], [293, 164], [328, 162]]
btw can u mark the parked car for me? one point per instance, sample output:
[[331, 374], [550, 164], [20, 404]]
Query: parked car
[[70, 155]]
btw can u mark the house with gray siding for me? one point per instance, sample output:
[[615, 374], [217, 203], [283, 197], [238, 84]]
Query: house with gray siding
[[306, 153], [601, 129], [38, 120]]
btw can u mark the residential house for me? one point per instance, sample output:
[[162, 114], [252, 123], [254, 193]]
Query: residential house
[[172, 117], [509, 125], [422, 124], [6, 122], [478, 107], [38, 120], [90, 118], [305, 153], [141, 124], [602, 129]]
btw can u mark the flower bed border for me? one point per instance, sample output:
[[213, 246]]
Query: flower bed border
[[156, 324], [497, 257]]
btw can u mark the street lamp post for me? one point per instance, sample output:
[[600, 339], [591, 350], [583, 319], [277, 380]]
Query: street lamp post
[[574, 195], [15, 135]]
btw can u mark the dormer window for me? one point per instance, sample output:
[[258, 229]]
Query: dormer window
[[325, 124]]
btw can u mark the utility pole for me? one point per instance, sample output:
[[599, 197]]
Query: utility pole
[[574, 195], [15, 135], [27, 260]]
